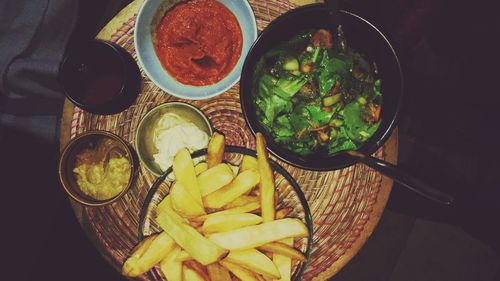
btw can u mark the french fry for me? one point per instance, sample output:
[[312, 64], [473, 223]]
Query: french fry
[[249, 246], [165, 206], [217, 272], [283, 249], [261, 278], [248, 162], [195, 224], [266, 184], [282, 213], [215, 178], [130, 267], [215, 150], [241, 201], [185, 174], [190, 274], [200, 269], [171, 267], [250, 207], [258, 235], [255, 261], [241, 184], [153, 253], [183, 256], [242, 273], [199, 247], [200, 168], [183, 202], [228, 222], [284, 262]]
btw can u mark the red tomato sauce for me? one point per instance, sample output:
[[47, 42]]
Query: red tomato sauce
[[198, 42]]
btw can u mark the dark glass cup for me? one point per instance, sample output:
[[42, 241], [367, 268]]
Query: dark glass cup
[[100, 77]]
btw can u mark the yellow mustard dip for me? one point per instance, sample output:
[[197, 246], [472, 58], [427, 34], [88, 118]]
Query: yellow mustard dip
[[99, 175]]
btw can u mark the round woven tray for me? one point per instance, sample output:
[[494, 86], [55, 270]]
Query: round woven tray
[[345, 204]]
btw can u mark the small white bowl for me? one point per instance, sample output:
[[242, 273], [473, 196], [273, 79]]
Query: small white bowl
[[147, 19]]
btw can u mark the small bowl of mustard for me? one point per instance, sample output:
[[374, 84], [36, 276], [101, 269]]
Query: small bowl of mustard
[[96, 168]]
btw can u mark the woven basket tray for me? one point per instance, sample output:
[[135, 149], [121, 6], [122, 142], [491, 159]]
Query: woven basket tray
[[342, 202]]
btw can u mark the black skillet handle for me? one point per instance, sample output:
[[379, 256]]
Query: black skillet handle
[[403, 178]]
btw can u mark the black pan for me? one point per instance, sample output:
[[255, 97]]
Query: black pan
[[362, 36]]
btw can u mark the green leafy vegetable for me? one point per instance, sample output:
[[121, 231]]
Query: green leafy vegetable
[[295, 103], [287, 87], [341, 142], [318, 116], [357, 130]]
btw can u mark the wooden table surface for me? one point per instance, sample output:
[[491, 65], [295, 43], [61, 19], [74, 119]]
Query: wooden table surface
[[391, 146]]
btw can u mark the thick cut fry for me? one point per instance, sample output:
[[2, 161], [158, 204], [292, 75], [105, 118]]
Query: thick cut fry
[[158, 248], [228, 222], [185, 174], [171, 267], [283, 249], [199, 247], [195, 224], [215, 178], [281, 213], [215, 150], [241, 184], [165, 206], [258, 235], [183, 256], [190, 274], [200, 269], [130, 267], [217, 272], [184, 203], [255, 261], [284, 262], [242, 200], [261, 278], [248, 162], [200, 168], [266, 184], [250, 207], [242, 273]]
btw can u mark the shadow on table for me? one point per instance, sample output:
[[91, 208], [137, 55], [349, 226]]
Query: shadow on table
[[43, 238]]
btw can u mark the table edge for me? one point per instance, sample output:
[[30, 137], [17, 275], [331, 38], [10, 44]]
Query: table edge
[[378, 209]]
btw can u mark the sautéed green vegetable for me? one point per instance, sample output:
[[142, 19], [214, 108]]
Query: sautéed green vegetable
[[312, 92]]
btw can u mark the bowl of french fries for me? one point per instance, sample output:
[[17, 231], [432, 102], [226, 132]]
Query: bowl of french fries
[[237, 216]]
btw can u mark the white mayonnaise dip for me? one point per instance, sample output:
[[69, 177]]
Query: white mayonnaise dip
[[173, 133]]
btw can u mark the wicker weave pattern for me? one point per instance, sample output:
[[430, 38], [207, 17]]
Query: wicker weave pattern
[[341, 201]]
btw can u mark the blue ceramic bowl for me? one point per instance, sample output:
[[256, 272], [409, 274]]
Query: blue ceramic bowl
[[148, 18]]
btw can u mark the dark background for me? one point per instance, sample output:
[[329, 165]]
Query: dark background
[[449, 136]]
